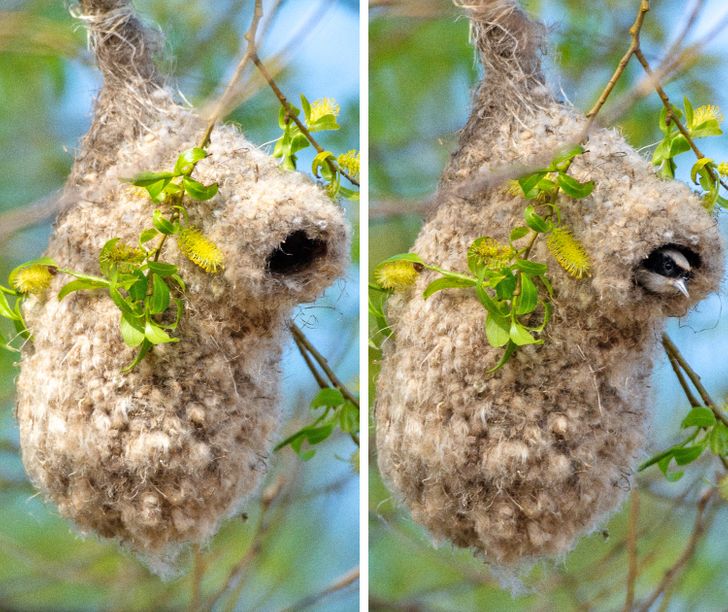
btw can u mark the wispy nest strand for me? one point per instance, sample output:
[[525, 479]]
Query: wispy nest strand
[[133, 95]]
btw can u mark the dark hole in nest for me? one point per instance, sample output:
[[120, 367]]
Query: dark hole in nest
[[692, 257], [295, 254]]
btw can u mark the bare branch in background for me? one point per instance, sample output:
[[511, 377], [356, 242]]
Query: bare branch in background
[[687, 554], [32, 214], [344, 581]]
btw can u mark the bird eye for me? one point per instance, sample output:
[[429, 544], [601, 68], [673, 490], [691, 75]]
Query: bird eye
[[668, 265]]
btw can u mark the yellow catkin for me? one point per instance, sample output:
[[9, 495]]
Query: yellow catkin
[[396, 275], [33, 279], [489, 252], [723, 168], [321, 108], [568, 252], [513, 188], [350, 162], [123, 256], [200, 250], [705, 113]]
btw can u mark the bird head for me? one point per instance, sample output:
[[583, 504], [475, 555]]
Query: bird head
[[667, 270]]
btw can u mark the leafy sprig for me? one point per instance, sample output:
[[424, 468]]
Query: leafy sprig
[[702, 122], [319, 116], [148, 292], [515, 291], [708, 433], [333, 410]]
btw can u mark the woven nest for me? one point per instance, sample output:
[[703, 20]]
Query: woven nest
[[519, 464], [158, 457]]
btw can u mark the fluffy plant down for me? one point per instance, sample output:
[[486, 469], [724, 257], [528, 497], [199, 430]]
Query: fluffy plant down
[[158, 457], [518, 464]]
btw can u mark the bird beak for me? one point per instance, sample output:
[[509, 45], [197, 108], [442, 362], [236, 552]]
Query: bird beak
[[680, 285]]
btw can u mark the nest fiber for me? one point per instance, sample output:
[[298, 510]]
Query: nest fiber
[[157, 457], [518, 464]]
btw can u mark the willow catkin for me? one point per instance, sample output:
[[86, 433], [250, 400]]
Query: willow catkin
[[158, 457], [518, 464]]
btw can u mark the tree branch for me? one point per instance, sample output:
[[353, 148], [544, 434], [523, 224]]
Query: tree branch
[[341, 583], [229, 90], [687, 554], [293, 117], [634, 46], [634, 515]]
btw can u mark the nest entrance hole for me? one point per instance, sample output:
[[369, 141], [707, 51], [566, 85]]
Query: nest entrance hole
[[297, 253]]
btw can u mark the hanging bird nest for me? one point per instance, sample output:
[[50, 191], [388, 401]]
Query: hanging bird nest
[[157, 457], [519, 463]]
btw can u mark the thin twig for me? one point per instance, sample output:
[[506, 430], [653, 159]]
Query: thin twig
[[309, 363], [340, 583], [300, 337], [229, 90], [264, 524], [634, 515], [290, 114], [687, 554], [692, 400], [671, 349], [307, 349], [675, 120], [634, 46], [198, 572]]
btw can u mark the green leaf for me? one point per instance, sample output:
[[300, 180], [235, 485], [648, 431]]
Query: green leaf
[[497, 330], [121, 303], [697, 166], [198, 191], [306, 105], [561, 160], [699, 417], [661, 152], [161, 268], [718, 439], [147, 235], [138, 289], [520, 336], [574, 188], [5, 309], [160, 298], [320, 161], [518, 232], [535, 221], [413, 257], [528, 299], [687, 454], [664, 465], [156, 335], [328, 397], [488, 302], [507, 354], [349, 418], [141, 354], [324, 124], [80, 285], [689, 114], [531, 268], [132, 331], [446, 283], [530, 181], [678, 145], [505, 289], [188, 159], [162, 224], [146, 179]]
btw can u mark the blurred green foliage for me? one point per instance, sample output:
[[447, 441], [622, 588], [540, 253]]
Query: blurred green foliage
[[422, 70], [47, 84]]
